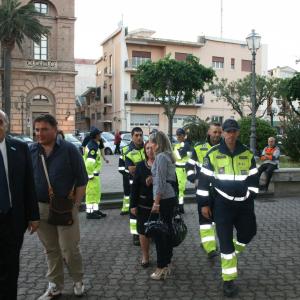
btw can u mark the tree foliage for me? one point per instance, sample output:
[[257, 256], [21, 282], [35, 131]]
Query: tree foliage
[[263, 131], [293, 92], [16, 23], [173, 82], [291, 139], [196, 129], [238, 93]]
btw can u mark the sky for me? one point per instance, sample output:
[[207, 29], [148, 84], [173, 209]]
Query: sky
[[275, 20]]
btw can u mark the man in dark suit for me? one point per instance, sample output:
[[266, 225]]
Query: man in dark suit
[[18, 207]]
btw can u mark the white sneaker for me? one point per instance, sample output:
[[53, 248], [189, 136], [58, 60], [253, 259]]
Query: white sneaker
[[78, 288], [51, 293]]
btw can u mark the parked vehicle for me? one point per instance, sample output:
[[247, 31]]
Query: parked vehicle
[[72, 139], [108, 140], [126, 138], [22, 137]]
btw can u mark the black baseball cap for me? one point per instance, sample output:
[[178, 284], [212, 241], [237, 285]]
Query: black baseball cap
[[180, 131], [230, 124]]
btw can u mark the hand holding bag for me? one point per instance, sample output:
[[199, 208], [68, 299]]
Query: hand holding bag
[[179, 230], [154, 228], [60, 208]]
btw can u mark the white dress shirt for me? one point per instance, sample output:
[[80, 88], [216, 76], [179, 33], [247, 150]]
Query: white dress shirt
[[4, 155]]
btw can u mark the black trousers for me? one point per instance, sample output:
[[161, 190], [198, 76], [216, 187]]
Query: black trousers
[[269, 169], [234, 214], [126, 185], [164, 248], [117, 149], [202, 219], [10, 247]]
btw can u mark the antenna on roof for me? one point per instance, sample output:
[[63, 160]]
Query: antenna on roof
[[221, 18]]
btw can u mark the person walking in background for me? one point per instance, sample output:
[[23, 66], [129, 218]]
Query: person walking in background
[[182, 152], [67, 176], [133, 156], [18, 207], [230, 169], [193, 167], [270, 161], [93, 164], [141, 199], [117, 142], [165, 199]]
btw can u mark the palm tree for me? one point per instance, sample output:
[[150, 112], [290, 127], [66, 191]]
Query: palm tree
[[16, 23]]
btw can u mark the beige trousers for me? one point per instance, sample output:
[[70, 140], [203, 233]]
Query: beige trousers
[[61, 244]]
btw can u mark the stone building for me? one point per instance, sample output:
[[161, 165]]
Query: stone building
[[43, 75]]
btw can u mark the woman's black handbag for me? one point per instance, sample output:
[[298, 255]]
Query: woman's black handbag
[[179, 230], [155, 228]]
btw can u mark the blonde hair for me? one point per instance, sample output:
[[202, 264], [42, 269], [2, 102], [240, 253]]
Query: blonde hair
[[161, 139]]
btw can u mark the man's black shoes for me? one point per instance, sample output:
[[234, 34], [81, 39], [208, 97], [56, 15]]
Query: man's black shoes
[[230, 289]]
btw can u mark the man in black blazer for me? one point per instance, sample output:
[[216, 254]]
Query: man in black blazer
[[18, 207]]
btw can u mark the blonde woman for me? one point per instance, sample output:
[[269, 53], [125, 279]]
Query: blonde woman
[[165, 199]]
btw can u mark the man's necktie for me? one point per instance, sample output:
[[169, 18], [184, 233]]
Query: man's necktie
[[4, 192]]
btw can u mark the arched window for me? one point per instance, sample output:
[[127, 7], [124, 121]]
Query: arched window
[[41, 7], [40, 98]]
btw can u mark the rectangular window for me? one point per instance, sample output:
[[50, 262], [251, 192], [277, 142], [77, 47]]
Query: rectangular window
[[181, 56], [98, 115], [178, 120], [246, 65], [93, 116], [98, 93], [217, 119], [41, 49], [232, 64], [144, 54], [42, 8], [217, 62], [144, 119]]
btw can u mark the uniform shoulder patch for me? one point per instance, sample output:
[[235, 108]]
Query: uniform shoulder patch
[[205, 162]]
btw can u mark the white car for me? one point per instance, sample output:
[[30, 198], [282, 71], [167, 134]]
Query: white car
[[108, 140], [126, 138]]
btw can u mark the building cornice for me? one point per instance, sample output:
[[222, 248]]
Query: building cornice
[[42, 71], [161, 42]]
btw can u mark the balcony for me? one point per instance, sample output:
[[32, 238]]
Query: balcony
[[150, 99], [132, 64], [107, 72], [41, 64], [108, 100]]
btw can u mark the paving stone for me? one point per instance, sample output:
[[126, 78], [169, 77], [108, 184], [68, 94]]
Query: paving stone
[[268, 269]]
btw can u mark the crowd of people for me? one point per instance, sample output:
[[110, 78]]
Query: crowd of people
[[154, 173]]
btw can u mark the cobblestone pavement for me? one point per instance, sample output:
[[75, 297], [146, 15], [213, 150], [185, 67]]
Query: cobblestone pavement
[[269, 268]]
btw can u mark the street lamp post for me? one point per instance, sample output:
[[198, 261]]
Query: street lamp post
[[253, 42]]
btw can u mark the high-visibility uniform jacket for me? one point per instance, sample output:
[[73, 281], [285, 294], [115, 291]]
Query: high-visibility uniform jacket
[[182, 153], [194, 164], [133, 156], [232, 175], [270, 155], [93, 164], [121, 167]]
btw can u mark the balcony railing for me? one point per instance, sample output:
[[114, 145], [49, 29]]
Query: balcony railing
[[44, 64], [135, 62], [107, 72], [150, 99], [108, 100]]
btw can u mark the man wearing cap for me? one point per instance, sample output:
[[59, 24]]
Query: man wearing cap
[[93, 163], [231, 171], [182, 152], [193, 167]]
